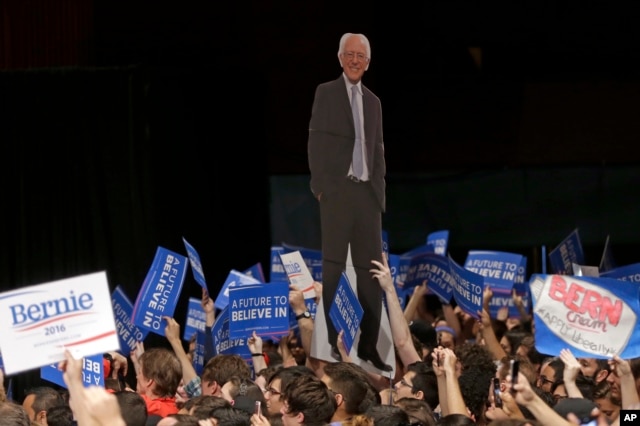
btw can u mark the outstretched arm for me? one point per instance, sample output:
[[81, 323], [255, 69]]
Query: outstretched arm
[[486, 328], [400, 332], [172, 332]]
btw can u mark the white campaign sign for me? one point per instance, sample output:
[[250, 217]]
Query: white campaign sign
[[585, 315], [39, 322]]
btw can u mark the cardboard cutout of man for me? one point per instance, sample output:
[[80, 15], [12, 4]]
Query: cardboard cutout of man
[[351, 198]]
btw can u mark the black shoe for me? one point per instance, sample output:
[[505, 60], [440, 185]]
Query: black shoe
[[374, 359]]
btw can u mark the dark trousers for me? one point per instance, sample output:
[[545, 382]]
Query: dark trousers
[[351, 215]]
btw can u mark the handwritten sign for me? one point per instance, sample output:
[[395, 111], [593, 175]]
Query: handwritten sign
[[596, 317]]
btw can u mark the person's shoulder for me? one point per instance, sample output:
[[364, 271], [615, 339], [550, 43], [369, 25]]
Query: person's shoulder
[[332, 83], [368, 93]]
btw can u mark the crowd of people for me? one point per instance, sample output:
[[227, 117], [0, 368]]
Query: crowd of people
[[451, 369]]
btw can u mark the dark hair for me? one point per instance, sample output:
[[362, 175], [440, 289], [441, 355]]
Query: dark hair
[[45, 397], [425, 380], [222, 367], [60, 415], [456, 420], [288, 374], [418, 410], [132, 407], [311, 397], [163, 366], [208, 401], [12, 414], [388, 415], [352, 382], [184, 419], [230, 416]]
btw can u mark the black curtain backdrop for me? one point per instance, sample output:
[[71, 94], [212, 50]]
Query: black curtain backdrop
[[102, 166]]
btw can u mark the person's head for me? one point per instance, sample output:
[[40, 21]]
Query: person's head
[[12, 414], [60, 416], [220, 369], [39, 400], [603, 398], [388, 415], [350, 384], [263, 376], [475, 383], [511, 340], [419, 382], [526, 369], [354, 54], [206, 402], [160, 373], [307, 401], [551, 375], [230, 416], [456, 420], [446, 335], [279, 381], [418, 411], [132, 407], [426, 334], [597, 369], [179, 420], [237, 386]]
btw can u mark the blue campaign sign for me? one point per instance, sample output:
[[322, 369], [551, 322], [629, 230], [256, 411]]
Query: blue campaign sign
[[385, 243], [593, 317], [222, 343], [521, 287], [500, 270], [234, 279], [196, 319], [263, 308], [438, 241], [346, 312], [434, 269], [92, 372], [404, 265], [256, 272], [277, 272], [198, 353], [160, 291], [566, 253], [629, 273], [128, 334], [196, 264], [468, 288]]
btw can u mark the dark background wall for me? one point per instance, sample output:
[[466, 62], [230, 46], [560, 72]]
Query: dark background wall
[[131, 124]]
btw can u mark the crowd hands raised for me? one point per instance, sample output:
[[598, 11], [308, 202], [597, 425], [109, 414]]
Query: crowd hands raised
[[451, 369]]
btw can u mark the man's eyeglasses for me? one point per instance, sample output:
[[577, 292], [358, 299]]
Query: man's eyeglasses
[[359, 56], [273, 391], [403, 382], [542, 380]]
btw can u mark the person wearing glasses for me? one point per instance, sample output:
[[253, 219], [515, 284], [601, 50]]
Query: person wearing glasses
[[419, 382], [347, 165]]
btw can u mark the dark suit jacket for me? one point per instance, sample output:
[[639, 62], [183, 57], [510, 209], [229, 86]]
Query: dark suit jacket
[[332, 135]]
